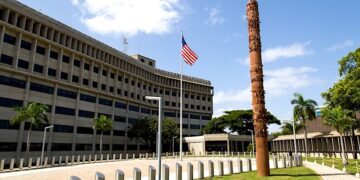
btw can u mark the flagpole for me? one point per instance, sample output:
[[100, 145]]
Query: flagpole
[[181, 103]]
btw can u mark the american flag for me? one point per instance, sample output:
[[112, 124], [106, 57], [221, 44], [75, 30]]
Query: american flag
[[189, 56]]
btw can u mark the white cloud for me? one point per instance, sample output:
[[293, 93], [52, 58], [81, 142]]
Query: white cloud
[[274, 54], [277, 82], [129, 17], [214, 17], [342, 45]]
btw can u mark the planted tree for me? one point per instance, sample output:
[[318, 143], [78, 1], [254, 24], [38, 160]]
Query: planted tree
[[35, 114], [341, 120], [287, 128], [304, 110], [104, 124]]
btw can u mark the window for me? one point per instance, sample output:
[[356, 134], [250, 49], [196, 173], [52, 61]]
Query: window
[[105, 102], [5, 124], [170, 114], [66, 93], [86, 114], [155, 90], [125, 93], [203, 98], [118, 147], [103, 87], [83, 147], [132, 120], [111, 89], [41, 88], [132, 82], [173, 104], [138, 85], [209, 99], [120, 119], [86, 66], [96, 69], [167, 103], [75, 79], [105, 147], [76, 62], [6, 59], [145, 110], [61, 147], [8, 146], [23, 64], [192, 106], [88, 98], [173, 93], [194, 126], [54, 55], [9, 81], [186, 105], [198, 107], [94, 84], [150, 63], [107, 133], [209, 108], [38, 68], [112, 75], [119, 91], [186, 95], [104, 72], [40, 50], [51, 72], [161, 91], [85, 82], [131, 147], [204, 117], [64, 111], [64, 75], [132, 95], [192, 96], [25, 45], [167, 92], [10, 103], [84, 130], [133, 108], [9, 39], [63, 128], [197, 97], [66, 59], [194, 116], [119, 78], [118, 133], [126, 80], [120, 105]]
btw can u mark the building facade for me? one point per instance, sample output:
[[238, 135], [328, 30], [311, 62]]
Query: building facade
[[79, 78]]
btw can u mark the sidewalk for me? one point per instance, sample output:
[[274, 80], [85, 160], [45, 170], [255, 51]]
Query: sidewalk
[[328, 173]]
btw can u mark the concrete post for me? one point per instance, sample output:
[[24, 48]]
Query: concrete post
[[137, 174], [244, 154], [152, 173], [146, 156], [249, 164], [120, 158], [12, 162], [240, 165], [101, 157], [2, 163], [211, 168], [290, 161], [219, 153], [200, 170], [99, 176], [232, 154], [66, 160], [95, 157], [133, 156], [119, 175], [107, 157], [78, 159], [46, 161], [83, 159], [38, 162], [89, 158], [230, 167], [53, 161], [166, 154], [238, 154], [165, 172], [284, 162], [153, 155], [114, 157], [21, 165], [190, 169], [60, 160], [275, 161], [221, 168], [72, 159], [178, 171], [127, 156], [29, 163]]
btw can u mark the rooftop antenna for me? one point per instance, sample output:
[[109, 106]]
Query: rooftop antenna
[[125, 44]]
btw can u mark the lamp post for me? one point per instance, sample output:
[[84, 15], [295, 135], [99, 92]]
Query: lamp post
[[173, 144], [43, 144], [252, 142], [159, 134]]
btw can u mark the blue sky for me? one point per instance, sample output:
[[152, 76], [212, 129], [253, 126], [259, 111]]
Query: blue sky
[[301, 41]]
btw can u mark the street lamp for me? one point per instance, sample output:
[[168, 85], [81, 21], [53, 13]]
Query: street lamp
[[43, 144], [252, 142], [159, 133], [173, 144]]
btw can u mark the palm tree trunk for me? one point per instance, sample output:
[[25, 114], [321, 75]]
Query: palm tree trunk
[[101, 142], [342, 149], [28, 141], [305, 135]]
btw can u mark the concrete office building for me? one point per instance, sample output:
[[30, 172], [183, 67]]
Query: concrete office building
[[79, 78]]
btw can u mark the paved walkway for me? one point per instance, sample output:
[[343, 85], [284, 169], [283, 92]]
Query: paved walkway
[[328, 173], [87, 171]]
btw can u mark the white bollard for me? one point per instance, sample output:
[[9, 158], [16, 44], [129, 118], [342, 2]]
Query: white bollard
[[240, 166], [190, 171], [38, 162], [119, 175], [78, 159], [284, 162], [200, 170], [46, 161], [290, 161], [230, 167], [99, 176], [178, 171], [89, 158], [146, 156], [133, 156], [114, 157], [127, 156], [107, 157], [29, 163], [249, 164], [211, 168], [53, 161], [72, 159], [2, 163], [12, 162], [101, 157], [60, 160], [165, 172], [221, 168], [83, 158], [120, 158], [21, 165], [275, 161], [66, 160], [152, 173], [137, 174], [95, 157]]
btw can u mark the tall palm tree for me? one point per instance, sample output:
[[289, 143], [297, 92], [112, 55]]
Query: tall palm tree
[[341, 120], [36, 113], [104, 124], [304, 110]]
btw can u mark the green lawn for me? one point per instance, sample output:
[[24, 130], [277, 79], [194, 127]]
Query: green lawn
[[350, 168], [275, 174]]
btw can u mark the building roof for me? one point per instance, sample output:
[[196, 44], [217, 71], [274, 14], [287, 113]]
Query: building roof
[[311, 135], [220, 137]]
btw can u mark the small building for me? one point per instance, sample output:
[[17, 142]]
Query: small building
[[218, 142]]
